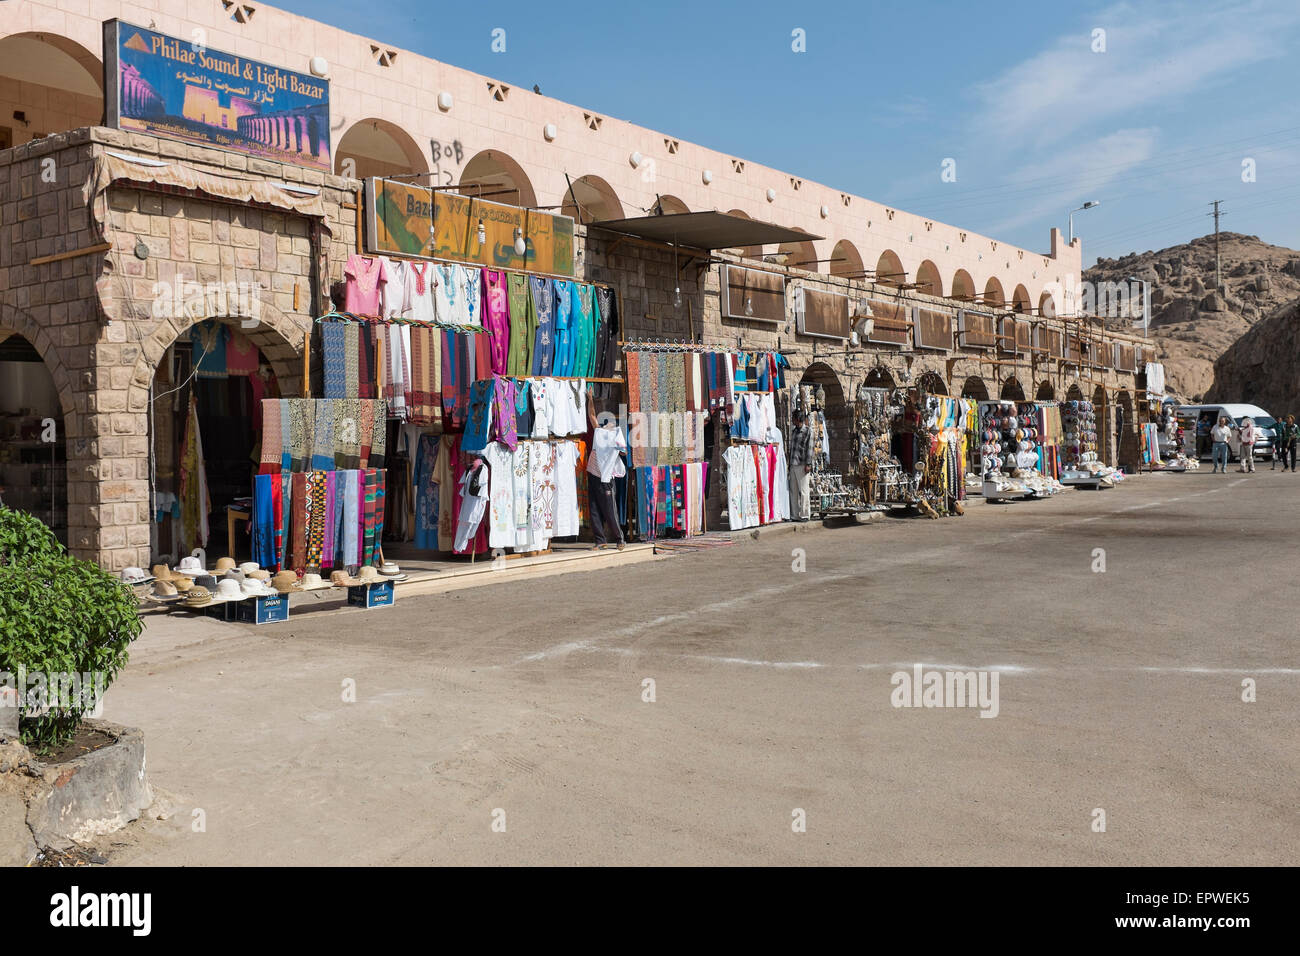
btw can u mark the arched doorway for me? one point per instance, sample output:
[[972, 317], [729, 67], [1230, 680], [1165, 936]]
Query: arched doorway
[[1020, 300], [963, 286], [1126, 444], [591, 199], [1074, 394], [889, 269], [829, 395], [993, 294], [34, 463], [1046, 392], [932, 383], [213, 376], [496, 177], [376, 147], [53, 83], [879, 377], [975, 388], [928, 279], [1101, 409], [1012, 390], [846, 260]]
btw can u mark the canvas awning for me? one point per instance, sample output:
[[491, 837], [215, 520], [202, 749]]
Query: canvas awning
[[704, 230]]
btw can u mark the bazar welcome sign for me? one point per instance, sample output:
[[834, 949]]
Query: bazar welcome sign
[[411, 220], [184, 90]]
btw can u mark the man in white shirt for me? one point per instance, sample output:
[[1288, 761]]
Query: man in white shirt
[[1221, 434], [604, 464]]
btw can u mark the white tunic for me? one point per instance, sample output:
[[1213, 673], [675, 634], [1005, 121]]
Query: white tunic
[[501, 496], [566, 489]]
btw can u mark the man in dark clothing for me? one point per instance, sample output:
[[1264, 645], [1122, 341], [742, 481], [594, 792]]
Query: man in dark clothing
[[801, 459]]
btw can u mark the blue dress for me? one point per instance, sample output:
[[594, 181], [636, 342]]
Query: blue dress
[[563, 364], [544, 344]]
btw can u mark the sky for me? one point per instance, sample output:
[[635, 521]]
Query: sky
[[1151, 109]]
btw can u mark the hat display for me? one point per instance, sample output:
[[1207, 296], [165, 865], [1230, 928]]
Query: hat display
[[182, 584], [189, 566], [368, 575], [259, 575], [228, 590], [341, 579], [204, 580], [164, 592], [285, 582], [313, 582], [248, 567], [135, 576], [390, 570], [234, 574], [198, 597], [252, 587], [225, 564]]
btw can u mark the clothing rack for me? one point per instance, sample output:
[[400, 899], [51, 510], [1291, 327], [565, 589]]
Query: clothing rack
[[477, 265]]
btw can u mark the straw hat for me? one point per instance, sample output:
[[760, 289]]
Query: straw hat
[[198, 597], [286, 581], [225, 564], [368, 575], [341, 579], [164, 592], [252, 587], [260, 575], [228, 590], [391, 571], [189, 567], [313, 582]]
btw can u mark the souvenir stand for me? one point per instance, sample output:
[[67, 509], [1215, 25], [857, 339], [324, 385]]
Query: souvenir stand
[[691, 406], [1079, 447], [829, 492], [1013, 454], [881, 477]]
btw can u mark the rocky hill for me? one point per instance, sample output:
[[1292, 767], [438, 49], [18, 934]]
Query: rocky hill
[[1192, 323], [1261, 367]]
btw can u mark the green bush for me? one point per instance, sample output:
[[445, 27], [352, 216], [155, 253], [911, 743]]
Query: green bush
[[58, 615]]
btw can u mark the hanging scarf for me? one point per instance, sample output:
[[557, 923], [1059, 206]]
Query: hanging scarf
[[298, 523], [271, 441], [333, 340], [195, 500], [371, 487], [329, 544], [315, 518], [379, 434], [351, 360]]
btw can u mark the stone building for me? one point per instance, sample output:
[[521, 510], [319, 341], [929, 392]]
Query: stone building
[[114, 244]]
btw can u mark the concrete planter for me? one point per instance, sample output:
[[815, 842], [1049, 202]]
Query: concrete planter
[[90, 795]]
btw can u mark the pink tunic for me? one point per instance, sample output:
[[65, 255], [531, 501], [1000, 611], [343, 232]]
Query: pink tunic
[[496, 317], [364, 277]]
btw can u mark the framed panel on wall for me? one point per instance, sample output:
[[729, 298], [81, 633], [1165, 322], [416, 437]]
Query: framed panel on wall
[[825, 314], [891, 322], [931, 330], [752, 294], [978, 330], [1009, 336]]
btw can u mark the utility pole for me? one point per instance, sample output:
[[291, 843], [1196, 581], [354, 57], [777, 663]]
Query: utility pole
[[1218, 266]]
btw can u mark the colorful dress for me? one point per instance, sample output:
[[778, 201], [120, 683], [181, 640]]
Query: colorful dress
[[543, 300]]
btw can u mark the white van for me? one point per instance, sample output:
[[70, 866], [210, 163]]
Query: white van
[[1199, 419]]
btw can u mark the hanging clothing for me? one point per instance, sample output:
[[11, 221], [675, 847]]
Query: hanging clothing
[[543, 301], [501, 495], [566, 522], [474, 493], [562, 365], [208, 349], [496, 318], [426, 493], [482, 397], [196, 503], [363, 278], [583, 330], [523, 323]]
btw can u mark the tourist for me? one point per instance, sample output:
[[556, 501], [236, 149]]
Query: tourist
[[1221, 434], [1247, 434], [1287, 434], [800, 468]]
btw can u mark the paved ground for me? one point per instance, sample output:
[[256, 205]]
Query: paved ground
[[1118, 690]]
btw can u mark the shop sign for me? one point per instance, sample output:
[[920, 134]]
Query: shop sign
[[752, 294], [978, 329], [891, 322], [931, 329], [412, 220], [822, 313], [183, 89]]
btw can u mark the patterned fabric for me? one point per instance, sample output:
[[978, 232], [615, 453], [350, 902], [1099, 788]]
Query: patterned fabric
[[504, 428], [333, 343], [636, 442], [366, 361], [329, 544], [519, 361], [298, 521], [368, 520], [322, 452], [477, 427], [562, 364], [444, 470], [496, 318], [674, 383], [279, 519], [426, 494], [347, 435], [607, 348], [352, 493], [269, 463], [379, 429], [426, 394], [351, 359], [543, 300], [302, 423], [366, 430], [315, 503]]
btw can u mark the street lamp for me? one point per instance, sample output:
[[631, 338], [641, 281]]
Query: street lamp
[[1146, 303], [1088, 205]]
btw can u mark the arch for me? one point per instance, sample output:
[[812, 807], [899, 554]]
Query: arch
[[277, 337], [376, 147], [669, 206], [889, 269], [838, 413], [495, 176], [846, 260], [932, 383], [1047, 305], [1046, 392], [994, 294], [746, 252], [799, 255], [1101, 409], [963, 286], [879, 377], [1013, 390], [974, 387], [591, 199], [62, 84], [928, 279], [1020, 300], [1074, 393]]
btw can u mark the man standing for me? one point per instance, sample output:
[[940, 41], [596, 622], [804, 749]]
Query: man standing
[[1248, 434], [1287, 434], [800, 467], [1221, 434]]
